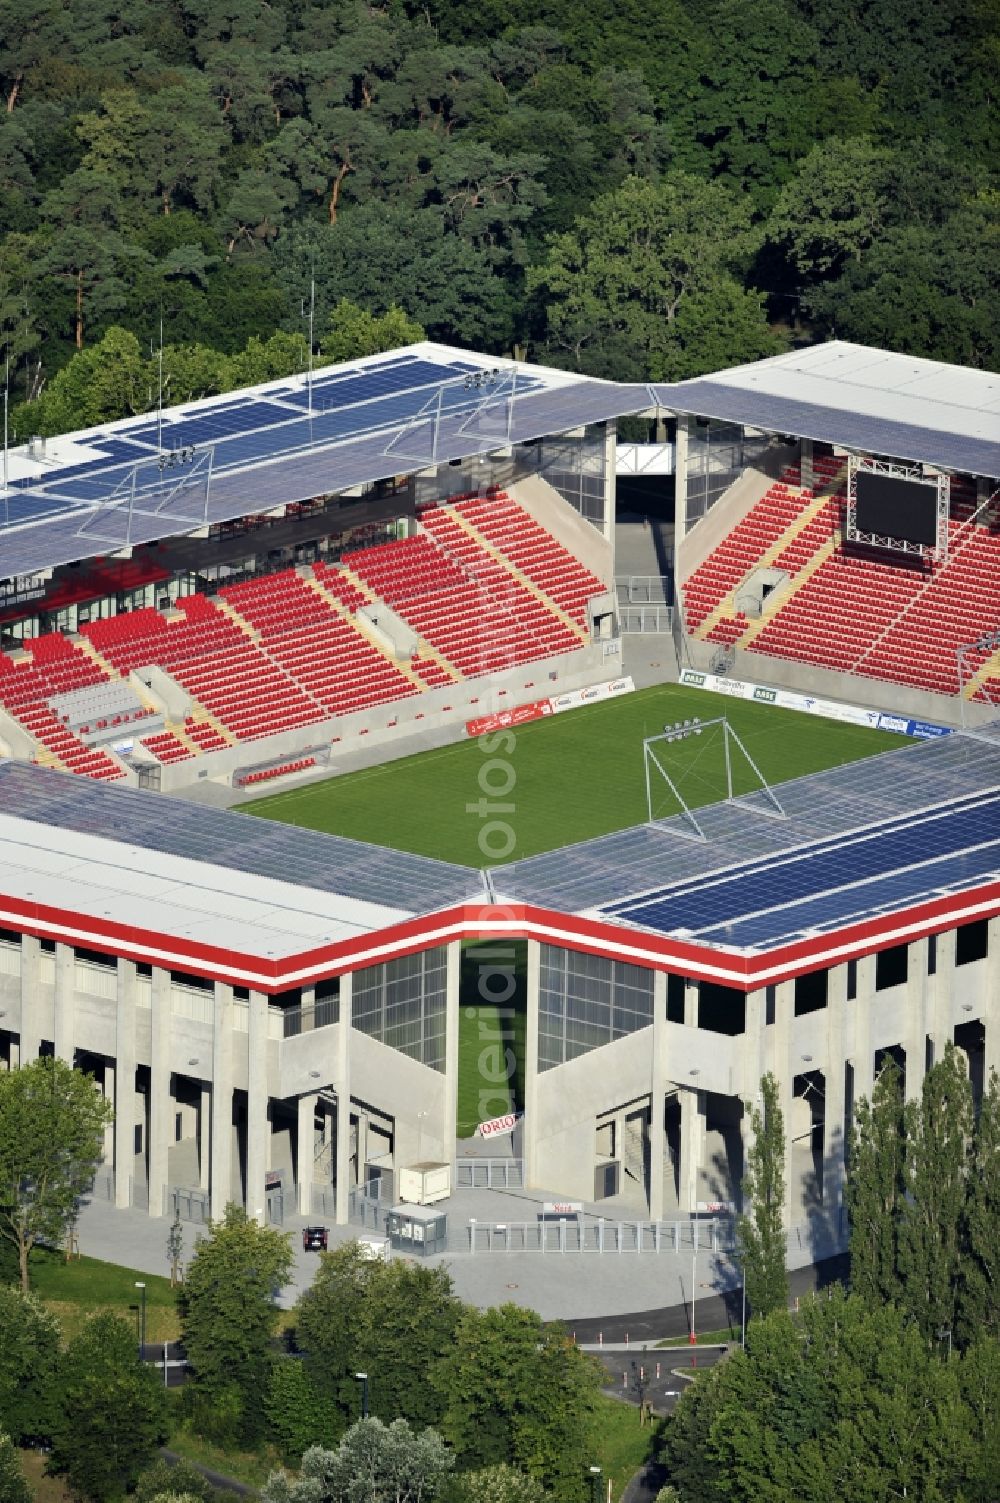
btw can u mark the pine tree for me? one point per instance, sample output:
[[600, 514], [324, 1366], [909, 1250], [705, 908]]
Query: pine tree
[[979, 1292], [760, 1232], [933, 1212], [875, 1188]]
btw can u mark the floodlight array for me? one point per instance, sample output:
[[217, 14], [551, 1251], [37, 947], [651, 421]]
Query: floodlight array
[[682, 729]]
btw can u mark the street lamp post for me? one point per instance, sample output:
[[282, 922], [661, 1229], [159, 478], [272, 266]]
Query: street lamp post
[[363, 1380], [142, 1317]]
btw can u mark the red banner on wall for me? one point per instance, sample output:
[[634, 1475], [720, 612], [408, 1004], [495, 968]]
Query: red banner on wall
[[503, 719]]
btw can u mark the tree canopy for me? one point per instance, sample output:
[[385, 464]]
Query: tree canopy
[[498, 172]]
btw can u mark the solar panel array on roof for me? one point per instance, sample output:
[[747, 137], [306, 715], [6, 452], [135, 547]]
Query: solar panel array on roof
[[615, 875]]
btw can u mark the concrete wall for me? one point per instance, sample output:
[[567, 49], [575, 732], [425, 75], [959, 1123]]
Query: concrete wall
[[719, 521]]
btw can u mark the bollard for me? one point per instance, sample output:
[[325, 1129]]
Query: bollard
[[626, 1338], [624, 1380], [657, 1372], [600, 1338]]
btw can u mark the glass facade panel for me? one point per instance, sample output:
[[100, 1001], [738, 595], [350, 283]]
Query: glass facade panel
[[718, 453], [575, 467], [586, 1001], [402, 1004]]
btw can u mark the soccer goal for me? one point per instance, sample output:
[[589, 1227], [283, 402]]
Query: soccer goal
[[696, 762]]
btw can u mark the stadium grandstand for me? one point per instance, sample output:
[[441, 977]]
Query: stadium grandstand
[[243, 588]]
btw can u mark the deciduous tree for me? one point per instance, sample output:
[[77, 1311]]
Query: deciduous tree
[[374, 1463], [979, 1298], [52, 1124], [13, 1484], [760, 1231], [29, 1367], [876, 1186]]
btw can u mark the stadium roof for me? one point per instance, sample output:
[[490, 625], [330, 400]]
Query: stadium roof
[[862, 399], [284, 441], [870, 854]]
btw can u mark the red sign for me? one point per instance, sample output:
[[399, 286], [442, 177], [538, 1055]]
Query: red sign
[[498, 1125], [502, 719]]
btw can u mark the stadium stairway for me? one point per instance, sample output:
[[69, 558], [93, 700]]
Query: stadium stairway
[[435, 521], [346, 592], [983, 683]]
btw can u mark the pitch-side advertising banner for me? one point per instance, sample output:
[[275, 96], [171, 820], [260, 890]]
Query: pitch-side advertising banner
[[497, 1126], [538, 708], [830, 709]]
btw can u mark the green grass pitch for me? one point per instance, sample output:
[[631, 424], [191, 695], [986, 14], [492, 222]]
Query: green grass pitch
[[568, 778]]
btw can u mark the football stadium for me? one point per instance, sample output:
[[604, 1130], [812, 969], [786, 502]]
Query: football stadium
[[650, 823]]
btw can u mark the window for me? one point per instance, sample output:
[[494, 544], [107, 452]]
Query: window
[[931, 954], [891, 967], [675, 999], [586, 1001], [972, 942], [770, 1004], [852, 980], [402, 1004]]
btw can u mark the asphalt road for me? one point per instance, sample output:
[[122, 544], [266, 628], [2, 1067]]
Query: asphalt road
[[653, 1374], [712, 1313]]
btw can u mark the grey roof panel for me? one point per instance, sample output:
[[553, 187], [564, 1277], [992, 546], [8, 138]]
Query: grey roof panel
[[240, 842], [833, 425]]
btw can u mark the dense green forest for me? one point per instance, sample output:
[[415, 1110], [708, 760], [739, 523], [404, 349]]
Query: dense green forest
[[634, 190]]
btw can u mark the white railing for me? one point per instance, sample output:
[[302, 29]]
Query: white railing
[[10, 960], [144, 991], [192, 1002], [241, 1015], [47, 969]]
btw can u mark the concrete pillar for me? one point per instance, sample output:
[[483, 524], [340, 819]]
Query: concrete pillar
[[31, 979], [657, 1088], [941, 992], [449, 1124], [918, 994], [343, 1146], [861, 1056], [305, 1151], [531, 1066], [806, 462], [834, 1104], [220, 1173], [610, 489], [783, 1065], [125, 1113], [680, 477], [160, 1134], [257, 1126], [692, 1104], [65, 990], [204, 1136]]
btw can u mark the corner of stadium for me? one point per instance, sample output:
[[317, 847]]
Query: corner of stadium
[[335, 584]]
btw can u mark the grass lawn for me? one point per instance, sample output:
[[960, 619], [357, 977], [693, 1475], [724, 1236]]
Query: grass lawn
[[619, 1444], [491, 1033], [575, 775], [251, 1467], [74, 1290], [44, 1489]]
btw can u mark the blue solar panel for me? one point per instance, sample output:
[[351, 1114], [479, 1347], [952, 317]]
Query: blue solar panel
[[830, 880], [17, 506]]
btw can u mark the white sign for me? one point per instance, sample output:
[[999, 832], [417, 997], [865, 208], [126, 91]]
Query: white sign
[[562, 1207], [787, 699], [610, 689], [717, 1207], [497, 1126]]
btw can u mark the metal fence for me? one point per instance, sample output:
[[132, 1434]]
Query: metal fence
[[189, 1205], [645, 620], [600, 1235], [489, 1174], [103, 1187]]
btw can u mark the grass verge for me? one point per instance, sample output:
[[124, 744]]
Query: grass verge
[[618, 1443], [79, 1288]]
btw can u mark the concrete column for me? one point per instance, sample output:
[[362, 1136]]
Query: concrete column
[[204, 1136], [65, 990], [680, 477], [834, 1108], [531, 1067], [692, 1104], [941, 992], [220, 1173], [862, 1057], [806, 462], [160, 1135], [782, 1065], [657, 1087], [257, 1128], [610, 488], [31, 977], [449, 1124], [125, 1114], [305, 1151], [914, 1041], [343, 1146]]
